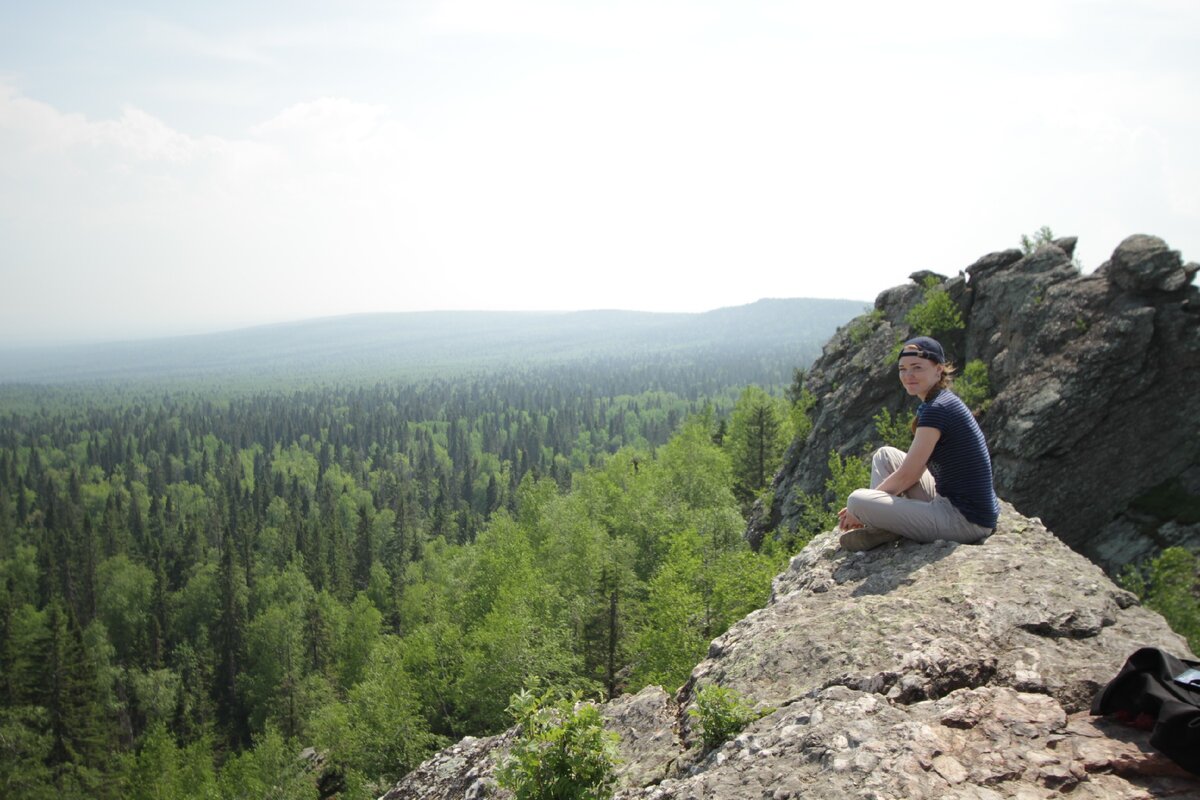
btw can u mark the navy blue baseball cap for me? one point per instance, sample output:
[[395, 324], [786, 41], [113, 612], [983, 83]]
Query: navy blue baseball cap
[[927, 347]]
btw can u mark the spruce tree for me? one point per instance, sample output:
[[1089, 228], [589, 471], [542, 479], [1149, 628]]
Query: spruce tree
[[229, 641], [363, 558], [69, 692]]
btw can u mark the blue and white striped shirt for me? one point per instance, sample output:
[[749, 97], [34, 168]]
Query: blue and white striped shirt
[[960, 463]]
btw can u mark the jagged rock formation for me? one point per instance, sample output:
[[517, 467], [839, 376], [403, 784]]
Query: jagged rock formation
[[1094, 424], [909, 671]]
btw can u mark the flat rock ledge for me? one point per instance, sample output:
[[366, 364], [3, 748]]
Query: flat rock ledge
[[909, 671]]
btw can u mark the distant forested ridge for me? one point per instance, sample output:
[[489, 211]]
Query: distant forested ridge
[[200, 578], [431, 343]]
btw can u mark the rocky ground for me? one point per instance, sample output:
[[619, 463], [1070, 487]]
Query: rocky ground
[[909, 671]]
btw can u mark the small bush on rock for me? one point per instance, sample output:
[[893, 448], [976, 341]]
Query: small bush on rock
[[972, 386], [845, 475], [937, 315], [563, 752], [722, 714], [893, 431], [802, 402], [863, 326], [1169, 585], [1041, 236]]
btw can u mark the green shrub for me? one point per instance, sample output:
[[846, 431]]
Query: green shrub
[[862, 326], [972, 386], [815, 517], [722, 714], [562, 752], [937, 314], [1030, 244], [800, 414], [845, 475], [1042, 236], [1169, 584], [894, 431], [795, 392]]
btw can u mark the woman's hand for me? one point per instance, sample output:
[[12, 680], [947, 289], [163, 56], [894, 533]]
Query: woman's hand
[[847, 521]]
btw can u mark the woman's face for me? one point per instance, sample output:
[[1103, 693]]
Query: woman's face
[[919, 375]]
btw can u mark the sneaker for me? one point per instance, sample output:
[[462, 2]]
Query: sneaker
[[866, 538]]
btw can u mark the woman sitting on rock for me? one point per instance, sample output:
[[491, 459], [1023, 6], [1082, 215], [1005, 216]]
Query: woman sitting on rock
[[942, 487]]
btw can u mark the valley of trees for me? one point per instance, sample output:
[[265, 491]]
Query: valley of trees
[[296, 589], [195, 589]]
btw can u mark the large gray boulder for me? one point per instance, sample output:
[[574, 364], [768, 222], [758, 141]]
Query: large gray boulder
[[909, 671], [1094, 422]]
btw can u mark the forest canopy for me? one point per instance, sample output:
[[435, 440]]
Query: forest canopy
[[197, 584]]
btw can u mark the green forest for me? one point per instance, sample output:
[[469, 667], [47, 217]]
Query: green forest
[[304, 592], [302, 588]]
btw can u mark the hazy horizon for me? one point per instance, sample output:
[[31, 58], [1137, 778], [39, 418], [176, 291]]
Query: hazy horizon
[[176, 170], [88, 341]]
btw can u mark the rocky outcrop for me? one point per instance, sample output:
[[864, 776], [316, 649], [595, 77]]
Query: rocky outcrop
[[909, 671], [1094, 419]]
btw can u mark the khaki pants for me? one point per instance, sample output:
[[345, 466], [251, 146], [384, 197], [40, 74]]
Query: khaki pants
[[918, 513]]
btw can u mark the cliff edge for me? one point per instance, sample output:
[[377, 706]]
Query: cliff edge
[[909, 671]]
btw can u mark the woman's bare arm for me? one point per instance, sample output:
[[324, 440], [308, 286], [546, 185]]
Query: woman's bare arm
[[914, 463]]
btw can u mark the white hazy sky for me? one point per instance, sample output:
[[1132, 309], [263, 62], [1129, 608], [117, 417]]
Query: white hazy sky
[[183, 167]]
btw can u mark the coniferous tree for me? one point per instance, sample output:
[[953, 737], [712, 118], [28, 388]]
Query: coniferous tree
[[759, 431], [363, 552], [231, 715], [89, 557], [111, 527], [79, 733], [22, 505], [492, 502], [158, 633], [137, 525]]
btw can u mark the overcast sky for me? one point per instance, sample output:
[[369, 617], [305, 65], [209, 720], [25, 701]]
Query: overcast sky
[[172, 168]]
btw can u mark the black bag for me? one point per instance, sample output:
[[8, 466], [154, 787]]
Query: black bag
[[1154, 691]]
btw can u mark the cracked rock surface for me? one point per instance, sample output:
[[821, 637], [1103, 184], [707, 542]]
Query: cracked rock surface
[[909, 671]]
